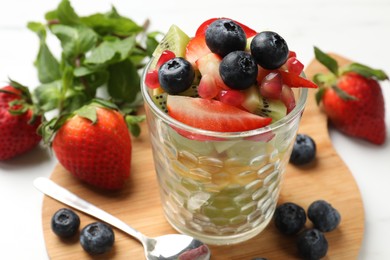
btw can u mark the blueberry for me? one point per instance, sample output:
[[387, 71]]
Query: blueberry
[[289, 218], [324, 217], [312, 244], [224, 36], [97, 238], [269, 49], [238, 70], [176, 75], [304, 150], [65, 223]]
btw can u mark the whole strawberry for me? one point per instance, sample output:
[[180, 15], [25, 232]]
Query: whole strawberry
[[94, 145], [352, 98], [18, 121]]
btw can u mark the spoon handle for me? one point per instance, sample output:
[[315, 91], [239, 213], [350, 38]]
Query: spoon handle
[[61, 194]]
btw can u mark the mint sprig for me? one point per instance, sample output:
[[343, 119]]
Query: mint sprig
[[99, 51]]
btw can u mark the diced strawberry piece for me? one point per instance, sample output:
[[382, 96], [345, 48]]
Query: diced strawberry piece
[[288, 98], [208, 88], [203, 27], [248, 31], [209, 65], [151, 79], [271, 86], [164, 57], [213, 115], [262, 73], [296, 81], [196, 48], [294, 65], [292, 54], [231, 97]]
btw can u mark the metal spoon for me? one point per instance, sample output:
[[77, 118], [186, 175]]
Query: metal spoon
[[172, 246]]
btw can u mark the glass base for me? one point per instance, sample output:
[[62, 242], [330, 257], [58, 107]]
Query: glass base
[[220, 240]]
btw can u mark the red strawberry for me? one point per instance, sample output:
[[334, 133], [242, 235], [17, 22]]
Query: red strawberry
[[208, 66], [352, 98], [296, 81], [203, 27], [18, 122], [196, 48], [209, 114], [94, 145]]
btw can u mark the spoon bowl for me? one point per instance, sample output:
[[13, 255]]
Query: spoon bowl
[[166, 247]]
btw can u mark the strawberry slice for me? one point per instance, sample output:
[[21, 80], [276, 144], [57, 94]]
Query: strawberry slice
[[203, 27], [196, 48], [209, 65], [213, 115], [295, 81]]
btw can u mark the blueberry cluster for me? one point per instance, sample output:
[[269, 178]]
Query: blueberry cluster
[[238, 68], [95, 238], [290, 219], [240, 60]]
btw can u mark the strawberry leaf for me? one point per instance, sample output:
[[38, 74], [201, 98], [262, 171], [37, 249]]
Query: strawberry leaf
[[365, 71], [342, 94], [88, 112], [319, 94], [327, 61], [133, 124], [324, 79]]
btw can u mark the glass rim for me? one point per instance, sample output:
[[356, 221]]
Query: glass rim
[[299, 107]]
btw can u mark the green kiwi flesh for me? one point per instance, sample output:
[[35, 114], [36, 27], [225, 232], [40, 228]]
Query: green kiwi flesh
[[261, 106], [175, 40]]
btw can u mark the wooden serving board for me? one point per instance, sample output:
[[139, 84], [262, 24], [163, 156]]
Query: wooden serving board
[[138, 204]]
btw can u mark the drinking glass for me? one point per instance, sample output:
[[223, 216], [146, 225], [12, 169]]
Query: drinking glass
[[220, 187]]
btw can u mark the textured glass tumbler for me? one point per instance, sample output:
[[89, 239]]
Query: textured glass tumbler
[[220, 187]]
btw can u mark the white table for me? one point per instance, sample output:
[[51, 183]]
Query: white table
[[357, 29]]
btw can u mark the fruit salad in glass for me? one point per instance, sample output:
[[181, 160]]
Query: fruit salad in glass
[[223, 109]]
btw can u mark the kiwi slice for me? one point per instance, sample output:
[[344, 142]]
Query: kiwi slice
[[261, 106], [161, 101], [160, 98], [174, 40], [190, 92]]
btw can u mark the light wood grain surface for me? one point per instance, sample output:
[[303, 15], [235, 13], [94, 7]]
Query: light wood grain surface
[[138, 204]]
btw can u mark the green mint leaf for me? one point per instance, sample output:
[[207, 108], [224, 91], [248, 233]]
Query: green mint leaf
[[112, 24], [38, 28], [327, 61], [48, 95], [95, 80], [74, 99], [151, 43], [66, 14], [111, 51], [365, 71], [104, 103], [124, 81], [47, 65], [75, 40], [51, 16]]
